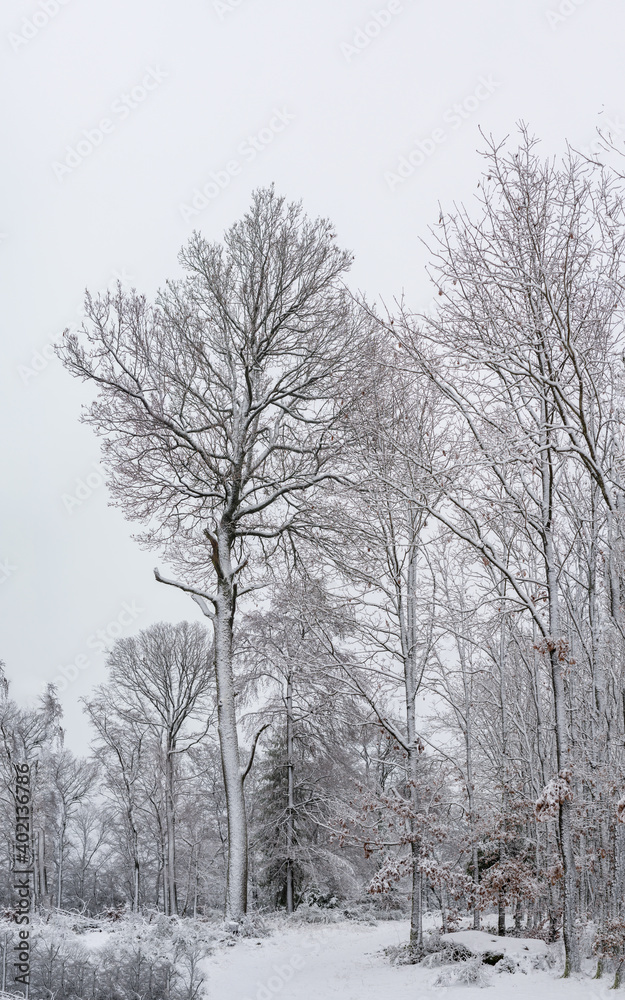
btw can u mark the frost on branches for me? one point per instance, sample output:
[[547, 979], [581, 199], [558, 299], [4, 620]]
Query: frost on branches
[[389, 873], [509, 882], [609, 944], [457, 884], [555, 792]]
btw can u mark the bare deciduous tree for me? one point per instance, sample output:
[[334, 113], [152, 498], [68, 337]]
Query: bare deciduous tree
[[70, 779], [160, 680], [217, 405], [530, 299]]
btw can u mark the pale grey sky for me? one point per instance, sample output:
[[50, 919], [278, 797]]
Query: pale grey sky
[[128, 123]]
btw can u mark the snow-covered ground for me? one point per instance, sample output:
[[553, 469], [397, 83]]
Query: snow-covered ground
[[345, 961]]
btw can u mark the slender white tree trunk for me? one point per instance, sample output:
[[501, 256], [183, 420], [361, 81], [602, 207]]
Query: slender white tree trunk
[[134, 846], [170, 824], [290, 822], [409, 649], [59, 886], [501, 928], [236, 877], [556, 653]]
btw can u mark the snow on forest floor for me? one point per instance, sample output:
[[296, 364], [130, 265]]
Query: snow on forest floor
[[345, 960]]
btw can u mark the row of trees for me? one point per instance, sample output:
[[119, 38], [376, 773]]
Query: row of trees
[[406, 534], [141, 822]]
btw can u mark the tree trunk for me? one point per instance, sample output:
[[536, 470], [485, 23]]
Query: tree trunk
[[476, 879], [444, 909], [501, 916], [5, 946], [170, 823], [557, 658], [59, 885], [416, 901], [572, 963], [44, 896], [290, 820], [162, 858], [501, 924], [135, 885], [409, 648], [475, 858], [416, 909], [236, 877]]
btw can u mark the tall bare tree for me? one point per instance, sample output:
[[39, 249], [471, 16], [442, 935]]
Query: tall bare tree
[[159, 680], [217, 405], [530, 293], [69, 781], [374, 551], [120, 747]]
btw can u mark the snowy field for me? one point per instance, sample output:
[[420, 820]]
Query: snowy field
[[346, 961]]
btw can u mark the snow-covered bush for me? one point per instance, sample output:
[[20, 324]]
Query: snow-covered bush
[[610, 939], [317, 897], [470, 973], [61, 966], [75, 959], [434, 953], [251, 925], [507, 964], [313, 914], [609, 944]]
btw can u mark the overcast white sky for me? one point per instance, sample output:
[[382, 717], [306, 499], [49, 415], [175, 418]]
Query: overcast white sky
[[323, 98]]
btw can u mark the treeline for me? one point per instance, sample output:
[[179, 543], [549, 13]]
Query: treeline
[[140, 824], [406, 535]]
